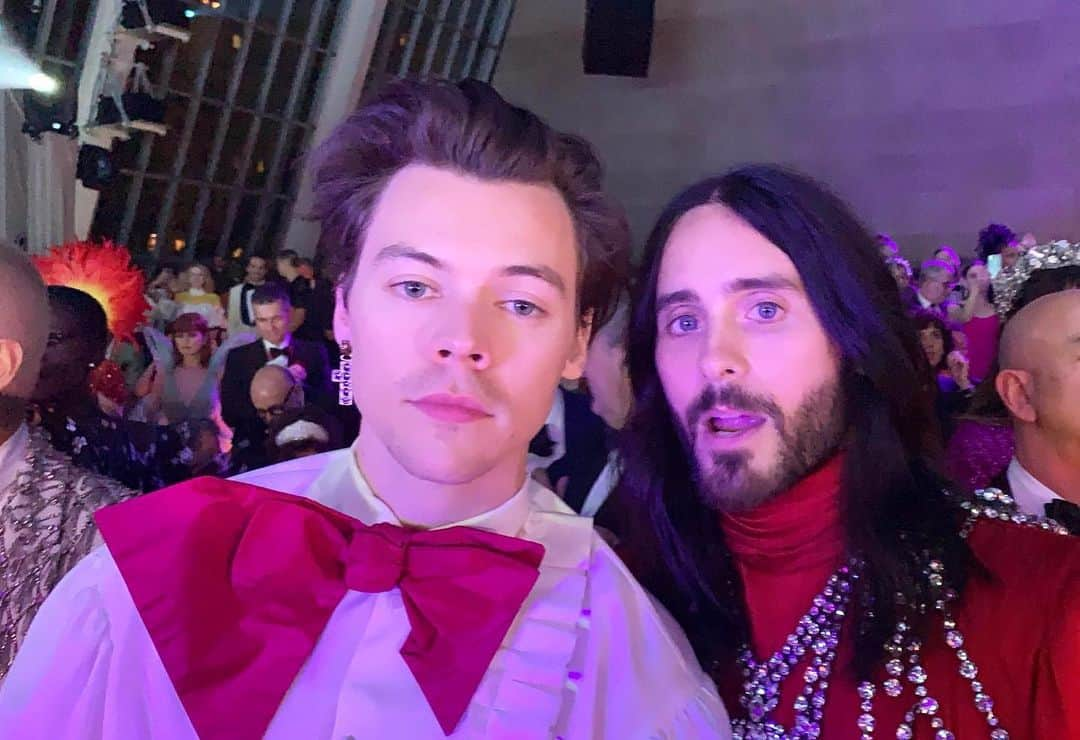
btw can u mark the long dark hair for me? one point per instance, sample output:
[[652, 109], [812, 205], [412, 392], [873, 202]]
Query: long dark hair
[[895, 507], [929, 320]]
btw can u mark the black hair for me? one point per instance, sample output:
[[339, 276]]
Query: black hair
[[268, 293]]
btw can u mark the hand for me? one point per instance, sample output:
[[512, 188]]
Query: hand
[[960, 368], [298, 372]]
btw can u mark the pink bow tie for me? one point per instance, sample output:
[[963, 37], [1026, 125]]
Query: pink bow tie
[[236, 583]]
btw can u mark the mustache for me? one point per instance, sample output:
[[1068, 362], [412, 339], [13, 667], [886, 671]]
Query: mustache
[[732, 397]]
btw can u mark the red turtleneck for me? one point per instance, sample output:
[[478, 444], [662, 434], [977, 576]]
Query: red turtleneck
[[785, 550], [1021, 625]]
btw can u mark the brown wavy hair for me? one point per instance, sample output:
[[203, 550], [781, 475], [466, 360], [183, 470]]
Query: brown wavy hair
[[469, 128], [190, 323]]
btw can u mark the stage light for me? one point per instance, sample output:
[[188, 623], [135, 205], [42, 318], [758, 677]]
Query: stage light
[[42, 83], [189, 14]]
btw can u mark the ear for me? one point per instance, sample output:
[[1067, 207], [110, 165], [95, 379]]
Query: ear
[[575, 366], [342, 332], [11, 359], [1015, 388]]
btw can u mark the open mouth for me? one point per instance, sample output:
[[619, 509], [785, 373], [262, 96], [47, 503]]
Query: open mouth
[[732, 424]]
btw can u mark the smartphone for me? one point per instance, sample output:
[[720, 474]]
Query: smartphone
[[993, 264]]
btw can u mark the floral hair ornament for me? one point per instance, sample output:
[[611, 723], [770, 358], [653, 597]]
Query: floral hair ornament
[[104, 271], [1009, 283]]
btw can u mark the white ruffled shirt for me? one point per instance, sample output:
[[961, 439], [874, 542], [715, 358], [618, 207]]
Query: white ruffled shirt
[[590, 654]]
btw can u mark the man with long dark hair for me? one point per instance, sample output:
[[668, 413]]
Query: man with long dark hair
[[783, 448]]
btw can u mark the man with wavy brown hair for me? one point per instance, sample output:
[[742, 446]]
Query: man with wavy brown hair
[[421, 584]]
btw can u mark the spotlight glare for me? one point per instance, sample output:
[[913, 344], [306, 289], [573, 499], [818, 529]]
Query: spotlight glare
[[42, 83], [189, 13]]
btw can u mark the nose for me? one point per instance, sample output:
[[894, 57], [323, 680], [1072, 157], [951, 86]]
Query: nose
[[461, 339], [724, 357]]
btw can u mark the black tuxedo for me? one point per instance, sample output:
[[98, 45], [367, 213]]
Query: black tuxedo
[[588, 441], [242, 363]]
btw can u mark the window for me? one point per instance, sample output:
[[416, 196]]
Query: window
[[241, 99], [453, 39]]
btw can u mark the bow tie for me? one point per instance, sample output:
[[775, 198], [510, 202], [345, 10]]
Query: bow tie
[[236, 583], [542, 445], [276, 352], [1065, 513]]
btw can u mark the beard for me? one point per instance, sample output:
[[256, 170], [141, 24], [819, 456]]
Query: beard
[[725, 481]]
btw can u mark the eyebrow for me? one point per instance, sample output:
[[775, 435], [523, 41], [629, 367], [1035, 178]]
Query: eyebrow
[[772, 281], [403, 251], [540, 272]]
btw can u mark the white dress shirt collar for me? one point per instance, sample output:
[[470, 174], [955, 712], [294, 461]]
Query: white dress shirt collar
[[342, 486], [922, 301], [1030, 494]]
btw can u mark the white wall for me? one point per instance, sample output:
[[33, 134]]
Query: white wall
[[931, 118]]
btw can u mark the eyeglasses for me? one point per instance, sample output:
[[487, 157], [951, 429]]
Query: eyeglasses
[[277, 409]]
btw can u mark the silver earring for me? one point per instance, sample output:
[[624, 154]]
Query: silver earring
[[343, 375]]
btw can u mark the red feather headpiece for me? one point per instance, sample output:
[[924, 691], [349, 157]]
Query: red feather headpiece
[[105, 272]]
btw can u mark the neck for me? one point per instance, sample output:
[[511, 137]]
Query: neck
[[191, 361], [789, 545], [1052, 462], [800, 525], [425, 503], [923, 296], [983, 306]]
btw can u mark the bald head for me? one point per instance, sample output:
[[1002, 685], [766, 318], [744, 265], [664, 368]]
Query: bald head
[[1039, 380], [273, 387], [1044, 328], [24, 322]]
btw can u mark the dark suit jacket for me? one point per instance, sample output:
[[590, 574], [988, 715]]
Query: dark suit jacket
[[240, 367], [588, 441]]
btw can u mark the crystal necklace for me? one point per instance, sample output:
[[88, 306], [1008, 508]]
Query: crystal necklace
[[818, 633]]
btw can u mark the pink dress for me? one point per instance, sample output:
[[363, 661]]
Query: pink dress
[[982, 339]]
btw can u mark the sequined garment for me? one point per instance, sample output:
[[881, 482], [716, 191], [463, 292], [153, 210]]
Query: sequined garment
[[46, 527], [978, 453]]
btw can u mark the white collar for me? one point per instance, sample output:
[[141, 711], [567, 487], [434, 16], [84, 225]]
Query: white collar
[[1030, 494], [341, 485], [923, 301], [12, 452], [284, 345]]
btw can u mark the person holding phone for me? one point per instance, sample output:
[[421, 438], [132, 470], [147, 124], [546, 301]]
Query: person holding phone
[[978, 320]]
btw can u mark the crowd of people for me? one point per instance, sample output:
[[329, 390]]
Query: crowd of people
[[960, 307], [172, 396], [772, 483]]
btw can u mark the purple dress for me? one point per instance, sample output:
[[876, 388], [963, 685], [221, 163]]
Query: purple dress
[[978, 452]]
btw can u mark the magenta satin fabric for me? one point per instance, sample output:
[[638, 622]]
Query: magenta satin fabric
[[235, 584]]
